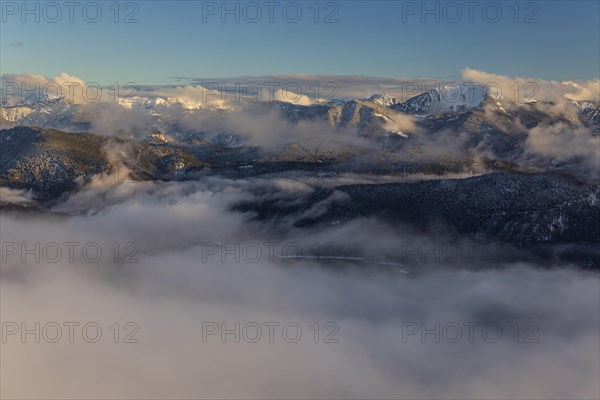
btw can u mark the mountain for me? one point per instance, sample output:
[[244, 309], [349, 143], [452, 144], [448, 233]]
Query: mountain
[[368, 118], [449, 98], [51, 162], [508, 206], [591, 113], [383, 99], [439, 119], [371, 116], [52, 113], [515, 209], [158, 102]]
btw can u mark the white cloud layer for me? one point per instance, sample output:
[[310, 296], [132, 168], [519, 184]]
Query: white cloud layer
[[173, 290]]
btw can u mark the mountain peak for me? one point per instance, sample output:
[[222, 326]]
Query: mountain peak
[[383, 99]]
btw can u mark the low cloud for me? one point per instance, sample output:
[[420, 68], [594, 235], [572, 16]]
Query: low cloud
[[174, 289]]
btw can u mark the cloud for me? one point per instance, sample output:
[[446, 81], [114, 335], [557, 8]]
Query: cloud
[[289, 96], [16, 44], [515, 89], [8, 195], [29, 87], [192, 96], [562, 144], [401, 123], [326, 87], [110, 119], [307, 89], [175, 288]]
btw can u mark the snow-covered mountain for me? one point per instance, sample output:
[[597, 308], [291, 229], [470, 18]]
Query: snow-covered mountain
[[158, 102], [383, 99], [55, 113], [448, 98], [370, 116], [58, 113], [590, 112]]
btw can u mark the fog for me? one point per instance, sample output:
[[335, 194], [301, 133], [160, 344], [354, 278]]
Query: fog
[[185, 283]]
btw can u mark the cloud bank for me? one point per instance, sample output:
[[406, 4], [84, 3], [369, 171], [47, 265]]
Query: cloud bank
[[176, 287], [516, 89]]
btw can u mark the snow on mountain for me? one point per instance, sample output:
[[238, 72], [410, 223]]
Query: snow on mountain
[[154, 102], [370, 116], [383, 99], [590, 111], [12, 114], [55, 113], [449, 98], [58, 113]]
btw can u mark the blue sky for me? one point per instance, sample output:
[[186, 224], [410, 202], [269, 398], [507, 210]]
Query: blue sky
[[375, 38]]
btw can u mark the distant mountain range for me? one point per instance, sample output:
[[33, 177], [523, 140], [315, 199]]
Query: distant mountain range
[[53, 144], [369, 115]]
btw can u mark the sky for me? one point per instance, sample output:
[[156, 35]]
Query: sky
[[156, 42]]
